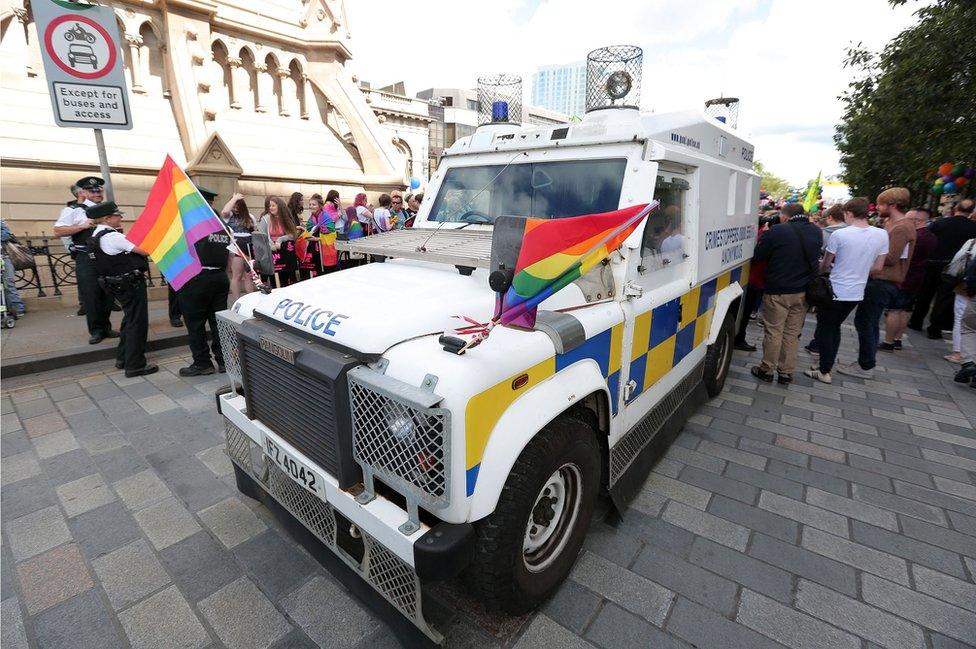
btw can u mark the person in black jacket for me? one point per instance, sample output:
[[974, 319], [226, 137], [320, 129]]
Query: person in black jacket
[[792, 250]]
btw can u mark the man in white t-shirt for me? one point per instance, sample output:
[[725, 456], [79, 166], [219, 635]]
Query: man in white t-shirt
[[851, 254]]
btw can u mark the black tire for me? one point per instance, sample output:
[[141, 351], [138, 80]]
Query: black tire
[[501, 574], [719, 357]]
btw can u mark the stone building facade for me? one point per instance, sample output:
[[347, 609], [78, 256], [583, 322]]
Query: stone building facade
[[250, 96]]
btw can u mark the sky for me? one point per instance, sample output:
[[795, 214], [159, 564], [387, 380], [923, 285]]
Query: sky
[[782, 58]]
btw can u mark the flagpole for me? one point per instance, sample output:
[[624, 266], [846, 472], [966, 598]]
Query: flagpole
[[255, 277]]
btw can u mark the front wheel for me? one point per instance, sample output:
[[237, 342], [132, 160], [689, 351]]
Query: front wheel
[[719, 357], [528, 545]]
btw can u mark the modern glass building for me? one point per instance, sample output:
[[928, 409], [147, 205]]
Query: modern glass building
[[561, 88]]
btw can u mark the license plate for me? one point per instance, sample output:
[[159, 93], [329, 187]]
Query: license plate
[[300, 473]]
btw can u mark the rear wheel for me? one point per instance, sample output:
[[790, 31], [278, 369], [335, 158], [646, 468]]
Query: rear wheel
[[528, 545], [719, 357]]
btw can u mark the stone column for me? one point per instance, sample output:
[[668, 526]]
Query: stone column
[[289, 93], [265, 88], [238, 81], [139, 70], [306, 98]]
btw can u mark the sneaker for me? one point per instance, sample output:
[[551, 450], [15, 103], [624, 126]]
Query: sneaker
[[815, 374], [812, 352], [176, 322], [855, 370], [221, 368], [886, 347], [934, 335], [753, 315], [897, 344], [966, 373], [761, 374], [784, 379], [193, 370], [954, 357], [744, 347]]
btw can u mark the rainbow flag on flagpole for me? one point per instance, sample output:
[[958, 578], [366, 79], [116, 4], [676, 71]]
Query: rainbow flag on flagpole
[[175, 217], [546, 255]]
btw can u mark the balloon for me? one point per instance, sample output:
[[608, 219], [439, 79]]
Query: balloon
[[414, 182], [959, 169], [970, 173], [947, 178], [945, 168], [939, 182], [949, 188], [937, 189], [961, 181]]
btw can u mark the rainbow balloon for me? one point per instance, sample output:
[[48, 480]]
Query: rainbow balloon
[[175, 217]]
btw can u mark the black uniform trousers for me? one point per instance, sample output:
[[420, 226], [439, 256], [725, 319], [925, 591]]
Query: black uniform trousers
[[931, 283], [200, 300], [131, 295], [173, 304], [97, 303]]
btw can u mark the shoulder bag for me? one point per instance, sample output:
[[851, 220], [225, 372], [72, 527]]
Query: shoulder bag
[[19, 254], [819, 291], [956, 270]]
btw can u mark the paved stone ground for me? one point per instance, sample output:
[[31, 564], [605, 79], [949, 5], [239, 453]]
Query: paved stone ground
[[813, 516]]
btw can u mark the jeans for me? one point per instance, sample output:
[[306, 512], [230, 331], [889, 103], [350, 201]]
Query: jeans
[[15, 304], [783, 316], [930, 285], [967, 332], [829, 319], [878, 294]]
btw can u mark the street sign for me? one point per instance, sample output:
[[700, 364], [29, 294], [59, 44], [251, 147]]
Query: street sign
[[81, 50]]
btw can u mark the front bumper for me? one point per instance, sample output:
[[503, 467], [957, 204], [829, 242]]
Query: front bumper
[[394, 564]]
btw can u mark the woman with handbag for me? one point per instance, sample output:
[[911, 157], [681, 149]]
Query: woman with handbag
[[953, 276]]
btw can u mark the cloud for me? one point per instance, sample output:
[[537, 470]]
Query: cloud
[[782, 58]]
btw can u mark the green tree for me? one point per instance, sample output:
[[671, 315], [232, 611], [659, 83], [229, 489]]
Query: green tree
[[913, 105], [770, 182]]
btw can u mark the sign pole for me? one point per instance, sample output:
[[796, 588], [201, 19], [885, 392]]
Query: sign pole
[[103, 163]]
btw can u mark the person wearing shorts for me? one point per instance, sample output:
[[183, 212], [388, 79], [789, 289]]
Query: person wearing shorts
[[900, 310]]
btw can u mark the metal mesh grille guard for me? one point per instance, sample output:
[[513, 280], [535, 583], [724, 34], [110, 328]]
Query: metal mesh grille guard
[[227, 323], [404, 445], [443, 245], [624, 452], [395, 580]]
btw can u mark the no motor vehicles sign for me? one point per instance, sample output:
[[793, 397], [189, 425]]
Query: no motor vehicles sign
[[83, 64]]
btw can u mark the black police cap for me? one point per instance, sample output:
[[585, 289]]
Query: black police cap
[[102, 209], [90, 182], [208, 194]]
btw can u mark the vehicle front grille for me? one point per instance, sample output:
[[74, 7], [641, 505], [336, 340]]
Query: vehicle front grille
[[404, 444], [227, 324], [296, 405], [306, 402]]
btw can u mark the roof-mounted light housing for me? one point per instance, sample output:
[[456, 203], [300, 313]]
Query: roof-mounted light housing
[[613, 77]]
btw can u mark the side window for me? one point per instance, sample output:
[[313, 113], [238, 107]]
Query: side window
[[665, 245]]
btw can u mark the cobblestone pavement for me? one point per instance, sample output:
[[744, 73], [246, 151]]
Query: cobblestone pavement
[[813, 516]]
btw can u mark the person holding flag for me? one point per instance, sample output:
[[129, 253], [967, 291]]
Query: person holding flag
[[121, 267]]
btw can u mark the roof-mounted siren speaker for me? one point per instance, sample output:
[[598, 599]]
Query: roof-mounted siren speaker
[[724, 109], [613, 77], [499, 99]]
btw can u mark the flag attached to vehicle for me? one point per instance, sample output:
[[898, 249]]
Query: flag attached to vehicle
[[543, 256], [175, 217]]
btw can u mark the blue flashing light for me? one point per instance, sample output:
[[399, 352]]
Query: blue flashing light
[[721, 118], [499, 111]]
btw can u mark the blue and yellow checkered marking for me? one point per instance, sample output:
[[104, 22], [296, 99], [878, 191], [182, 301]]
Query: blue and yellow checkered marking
[[662, 337]]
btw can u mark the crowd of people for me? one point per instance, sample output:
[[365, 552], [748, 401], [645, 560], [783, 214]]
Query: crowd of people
[[893, 266], [286, 245]]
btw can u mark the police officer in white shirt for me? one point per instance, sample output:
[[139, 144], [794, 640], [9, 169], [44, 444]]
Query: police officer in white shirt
[[76, 224], [122, 268]]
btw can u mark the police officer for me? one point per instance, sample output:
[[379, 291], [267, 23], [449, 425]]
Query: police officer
[[76, 224], [203, 296], [122, 268]]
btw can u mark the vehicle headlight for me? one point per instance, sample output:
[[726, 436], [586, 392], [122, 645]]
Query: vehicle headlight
[[403, 428]]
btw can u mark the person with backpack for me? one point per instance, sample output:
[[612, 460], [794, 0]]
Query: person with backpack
[[850, 256], [792, 250]]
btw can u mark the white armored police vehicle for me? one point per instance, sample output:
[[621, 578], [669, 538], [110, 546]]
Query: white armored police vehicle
[[350, 408]]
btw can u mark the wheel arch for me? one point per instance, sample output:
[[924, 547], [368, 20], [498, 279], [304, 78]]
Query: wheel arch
[[728, 300], [580, 386]]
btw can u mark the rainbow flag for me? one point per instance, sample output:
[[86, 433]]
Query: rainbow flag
[[175, 217], [546, 255]]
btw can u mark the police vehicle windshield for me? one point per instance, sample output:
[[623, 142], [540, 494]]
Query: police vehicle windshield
[[480, 194]]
